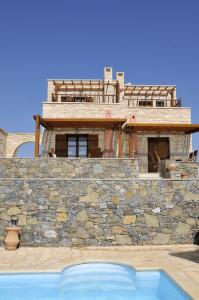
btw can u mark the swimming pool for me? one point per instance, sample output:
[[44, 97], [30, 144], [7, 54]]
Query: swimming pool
[[91, 281]]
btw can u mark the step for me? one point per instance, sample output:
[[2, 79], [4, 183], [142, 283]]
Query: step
[[149, 175]]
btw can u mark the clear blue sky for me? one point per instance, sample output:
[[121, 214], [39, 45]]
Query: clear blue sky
[[154, 42]]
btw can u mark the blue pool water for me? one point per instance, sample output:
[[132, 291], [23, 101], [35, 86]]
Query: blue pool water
[[92, 281]]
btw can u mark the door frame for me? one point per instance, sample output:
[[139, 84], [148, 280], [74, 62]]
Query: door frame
[[166, 138]]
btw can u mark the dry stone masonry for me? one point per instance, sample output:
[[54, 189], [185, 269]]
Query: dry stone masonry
[[3, 143], [68, 168], [92, 211]]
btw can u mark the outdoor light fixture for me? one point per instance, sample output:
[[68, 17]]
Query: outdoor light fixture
[[13, 221]]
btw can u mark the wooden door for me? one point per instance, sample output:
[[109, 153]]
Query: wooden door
[[61, 145], [158, 149], [93, 149]]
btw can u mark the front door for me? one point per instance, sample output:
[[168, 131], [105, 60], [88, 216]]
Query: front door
[[158, 149], [77, 146]]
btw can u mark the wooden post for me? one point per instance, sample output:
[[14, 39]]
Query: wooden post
[[56, 94], [130, 143], [117, 92], [103, 96], [37, 135], [120, 143], [135, 143]]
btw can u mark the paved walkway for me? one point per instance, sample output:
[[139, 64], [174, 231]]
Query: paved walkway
[[181, 262]]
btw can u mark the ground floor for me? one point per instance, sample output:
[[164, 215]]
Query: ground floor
[[179, 261], [148, 147]]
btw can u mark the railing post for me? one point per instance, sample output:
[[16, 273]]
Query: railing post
[[117, 92]]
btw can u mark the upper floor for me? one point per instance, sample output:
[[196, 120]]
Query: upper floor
[[112, 91], [113, 98]]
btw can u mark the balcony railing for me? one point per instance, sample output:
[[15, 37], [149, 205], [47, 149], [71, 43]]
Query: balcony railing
[[154, 102], [111, 99], [88, 97]]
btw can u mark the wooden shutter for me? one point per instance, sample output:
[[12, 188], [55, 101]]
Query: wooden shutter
[[61, 145], [93, 150]]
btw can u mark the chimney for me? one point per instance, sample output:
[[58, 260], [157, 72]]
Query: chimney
[[108, 74], [120, 78]]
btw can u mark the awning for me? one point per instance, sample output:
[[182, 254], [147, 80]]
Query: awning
[[51, 123], [187, 128]]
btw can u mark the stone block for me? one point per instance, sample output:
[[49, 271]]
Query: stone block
[[82, 216], [123, 239], [62, 217], [162, 239], [22, 220], [183, 228], [92, 197], [81, 233], [14, 211], [129, 219], [151, 220]]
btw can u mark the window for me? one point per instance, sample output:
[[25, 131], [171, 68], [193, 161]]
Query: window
[[63, 98], [145, 103], [76, 99], [77, 146], [82, 99], [160, 103]]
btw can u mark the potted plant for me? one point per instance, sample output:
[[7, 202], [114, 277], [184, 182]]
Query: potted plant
[[171, 167], [184, 175]]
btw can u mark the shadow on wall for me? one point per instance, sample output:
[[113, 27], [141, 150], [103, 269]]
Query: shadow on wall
[[26, 150]]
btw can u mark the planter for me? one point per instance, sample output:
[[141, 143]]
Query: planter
[[171, 167], [184, 175], [12, 238]]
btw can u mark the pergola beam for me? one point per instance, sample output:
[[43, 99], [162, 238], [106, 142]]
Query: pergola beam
[[186, 128]]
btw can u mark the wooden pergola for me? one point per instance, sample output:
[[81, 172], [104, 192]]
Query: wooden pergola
[[51, 123], [150, 127], [186, 128], [110, 123], [86, 88]]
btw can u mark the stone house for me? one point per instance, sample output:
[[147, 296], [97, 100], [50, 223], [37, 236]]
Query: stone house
[[110, 118]]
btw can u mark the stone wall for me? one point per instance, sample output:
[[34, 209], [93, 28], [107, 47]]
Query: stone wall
[[3, 143], [189, 167], [84, 212], [15, 140], [119, 110], [68, 168]]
